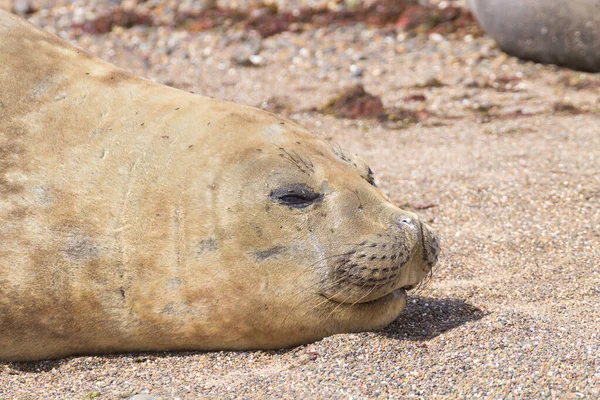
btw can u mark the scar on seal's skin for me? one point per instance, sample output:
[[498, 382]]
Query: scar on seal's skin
[[261, 255], [80, 248], [174, 283], [206, 246]]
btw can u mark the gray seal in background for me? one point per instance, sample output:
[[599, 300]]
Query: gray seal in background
[[562, 32]]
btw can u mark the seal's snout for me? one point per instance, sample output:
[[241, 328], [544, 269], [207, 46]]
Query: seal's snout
[[419, 236]]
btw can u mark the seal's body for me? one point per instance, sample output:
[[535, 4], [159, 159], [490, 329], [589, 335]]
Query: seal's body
[[559, 32], [134, 217]]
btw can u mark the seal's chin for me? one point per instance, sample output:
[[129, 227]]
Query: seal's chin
[[371, 315], [396, 295]]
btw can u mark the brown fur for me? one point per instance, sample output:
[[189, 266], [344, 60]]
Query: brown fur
[[139, 217]]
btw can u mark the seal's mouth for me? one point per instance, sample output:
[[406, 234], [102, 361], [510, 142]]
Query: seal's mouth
[[399, 293]]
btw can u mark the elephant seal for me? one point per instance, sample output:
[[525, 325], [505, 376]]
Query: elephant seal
[[564, 32], [138, 217]]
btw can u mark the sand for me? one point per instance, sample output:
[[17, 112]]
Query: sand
[[504, 163]]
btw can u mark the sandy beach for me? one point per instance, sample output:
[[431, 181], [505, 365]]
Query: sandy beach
[[501, 156]]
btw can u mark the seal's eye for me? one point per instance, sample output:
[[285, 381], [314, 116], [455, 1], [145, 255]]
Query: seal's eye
[[297, 196]]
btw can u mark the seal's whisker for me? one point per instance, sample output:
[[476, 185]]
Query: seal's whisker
[[327, 300], [296, 159], [260, 158], [321, 302], [307, 164], [328, 286], [355, 192], [368, 293], [308, 269], [344, 301], [330, 257], [425, 281], [332, 285], [361, 287], [339, 303]]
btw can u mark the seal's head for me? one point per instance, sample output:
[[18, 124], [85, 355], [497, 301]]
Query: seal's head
[[329, 252]]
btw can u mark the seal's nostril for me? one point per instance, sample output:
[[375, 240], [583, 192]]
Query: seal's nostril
[[407, 221]]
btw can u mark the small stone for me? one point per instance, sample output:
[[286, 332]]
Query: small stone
[[432, 83], [436, 37], [247, 55], [356, 72], [355, 102], [275, 104], [483, 107], [23, 7], [415, 97], [471, 83], [143, 396]]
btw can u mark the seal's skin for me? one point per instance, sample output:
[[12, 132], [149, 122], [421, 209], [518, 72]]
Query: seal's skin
[[139, 217], [563, 32]]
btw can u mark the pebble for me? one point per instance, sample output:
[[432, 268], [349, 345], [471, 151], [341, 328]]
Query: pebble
[[22, 6], [143, 396]]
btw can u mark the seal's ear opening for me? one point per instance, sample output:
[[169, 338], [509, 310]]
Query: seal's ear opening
[[296, 196]]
